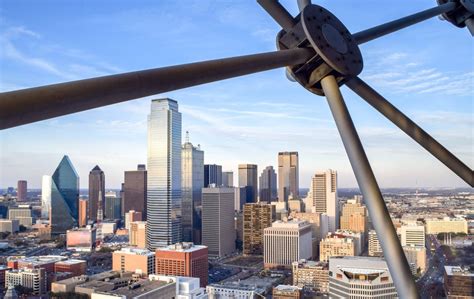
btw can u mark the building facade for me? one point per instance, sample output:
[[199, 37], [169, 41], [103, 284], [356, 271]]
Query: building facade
[[336, 245], [288, 175], [212, 175], [416, 258], [458, 282], [140, 261], [228, 178], [311, 274], [354, 217], [137, 234], [46, 182], [96, 192], [248, 174], [164, 174], [374, 245], [446, 225], [268, 185], [256, 217], [82, 214], [21, 190], [412, 235], [34, 279], [323, 197], [134, 191]]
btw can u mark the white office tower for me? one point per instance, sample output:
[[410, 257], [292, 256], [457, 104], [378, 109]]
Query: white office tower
[[286, 242], [360, 277], [45, 196], [322, 196], [164, 174], [412, 234]]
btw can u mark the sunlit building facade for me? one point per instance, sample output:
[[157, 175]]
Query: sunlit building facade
[[322, 196], [45, 196], [288, 175]]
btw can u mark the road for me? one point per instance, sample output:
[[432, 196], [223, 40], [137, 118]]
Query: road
[[431, 284]]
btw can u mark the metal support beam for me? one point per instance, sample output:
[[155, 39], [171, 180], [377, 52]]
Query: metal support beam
[[278, 13], [411, 129], [303, 3], [392, 250], [40, 103], [384, 29]]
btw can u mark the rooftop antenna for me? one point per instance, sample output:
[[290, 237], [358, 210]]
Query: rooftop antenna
[[319, 53]]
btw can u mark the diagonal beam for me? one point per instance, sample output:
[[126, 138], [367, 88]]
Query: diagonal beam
[[392, 249], [303, 3], [40, 103], [278, 13], [387, 28], [411, 129]]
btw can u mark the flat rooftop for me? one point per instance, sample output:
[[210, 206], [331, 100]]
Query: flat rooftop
[[182, 247], [457, 270]]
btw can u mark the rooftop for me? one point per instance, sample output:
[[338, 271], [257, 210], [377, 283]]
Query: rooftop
[[293, 223], [71, 262], [183, 247], [135, 251], [457, 270]]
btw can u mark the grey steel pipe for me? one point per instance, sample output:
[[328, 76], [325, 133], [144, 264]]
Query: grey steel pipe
[[278, 13], [303, 3], [40, 103], [470, 25], [411, 129], [384, 29], [392, 250]]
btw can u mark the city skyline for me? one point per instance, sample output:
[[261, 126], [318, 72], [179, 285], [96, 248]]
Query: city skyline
[[276, 117]]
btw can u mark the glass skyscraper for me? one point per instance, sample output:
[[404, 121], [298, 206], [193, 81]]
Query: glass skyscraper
[[248, 179], [288, 176], [268, 185], [192, 184], [164, 174], [64, 198]]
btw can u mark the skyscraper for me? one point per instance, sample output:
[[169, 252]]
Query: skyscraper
[[112, 207], [96, 190], [323, 197], [134, 191], [268, 185], [82, 212], [45, 196], [248, 178], [164, 174], [21, 190], [64, 197], [228, 178], [218, 232], [212, 175], [288, 175], [257, 217], [192, 180]]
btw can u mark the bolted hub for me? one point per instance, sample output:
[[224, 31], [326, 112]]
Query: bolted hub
[[336, 51]]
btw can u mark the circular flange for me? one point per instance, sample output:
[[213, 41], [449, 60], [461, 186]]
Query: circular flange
[[331, 40]]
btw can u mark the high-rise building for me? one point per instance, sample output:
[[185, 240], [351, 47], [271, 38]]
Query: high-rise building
[[323, 197], [137, 234], [256, 217], [212, 175], [288, 175], [248, 179], [132, 216], [183, 259], [82, 220], [21, 191], [164, 174], [336, 245], [96, 192], [228, 178], [140, 261], [192, 181], [113, 209], [416, 258], [134, 191], [218, 232], [64, 198], [286, 242], [360, 277], [311, 274], [268, 185], [45, 196], [354, 217], [412, 234], [374, 245], [458, 282]]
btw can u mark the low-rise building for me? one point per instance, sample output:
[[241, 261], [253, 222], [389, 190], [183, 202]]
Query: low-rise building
[[9, 226], [312, 275], [458, 282], [286, 292], [336, 245], [81, 239], [232, 290], [446, 225], [140, 261], [34, 279], [76, 267]]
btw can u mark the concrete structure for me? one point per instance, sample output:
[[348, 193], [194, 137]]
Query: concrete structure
[[69, 285], [336, 245], [140, 261], [134, 191], [108, 228], [218, 232], [96, 192], [360, 277], [458, 282], [192, 181], [164, 174], [22, 213], [83, 209], [248, 174], [46, 182], [357, 237], [322, 196], [268, 185], [295, 205], [212, 175], [446, 225], [318, 230], [183, 259], [354, 217], [142, 289], [228, 179], [215, 291], [374, 245], [137, 234], [10, 226], [76, 267], [412, 235], [288, 176], [286, 242], [21, 191], [416, 257], [132, 216], [81, 239], [311, 274], [34, 279], [256, 217], [46, 262], [286, 292]]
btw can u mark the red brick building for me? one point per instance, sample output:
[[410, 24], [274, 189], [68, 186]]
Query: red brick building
[[77, 267], [183, 259]]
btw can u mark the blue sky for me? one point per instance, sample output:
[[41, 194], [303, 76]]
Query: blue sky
[[427, 71]]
